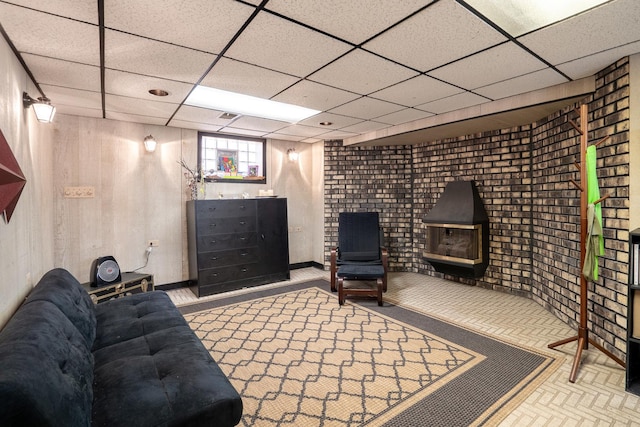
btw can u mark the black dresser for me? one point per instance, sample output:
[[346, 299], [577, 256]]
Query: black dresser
[[236, 243]]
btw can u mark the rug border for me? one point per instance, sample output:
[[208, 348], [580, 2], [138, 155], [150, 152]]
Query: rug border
[[493, 415]]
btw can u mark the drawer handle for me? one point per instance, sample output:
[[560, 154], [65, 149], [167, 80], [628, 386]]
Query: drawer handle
[[213, 224], [215, 274], [242, 222], [212, 208], [243, 238], [215, 258], [244, 254], [244, 270], [242, 206], [213, 242]]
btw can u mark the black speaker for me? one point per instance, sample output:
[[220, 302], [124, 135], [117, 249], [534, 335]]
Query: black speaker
[[104, 271]]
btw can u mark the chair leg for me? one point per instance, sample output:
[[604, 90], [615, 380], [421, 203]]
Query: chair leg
[[333, 280], [340, 291], [379, 282]]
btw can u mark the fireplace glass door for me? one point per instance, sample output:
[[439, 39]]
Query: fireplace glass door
[[459, 243]]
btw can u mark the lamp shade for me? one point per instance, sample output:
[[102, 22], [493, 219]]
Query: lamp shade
[[44, 112], [150, 144]]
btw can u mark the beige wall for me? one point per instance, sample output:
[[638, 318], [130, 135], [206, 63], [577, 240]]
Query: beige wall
[[26, 242], [141, 196], [634, 138]]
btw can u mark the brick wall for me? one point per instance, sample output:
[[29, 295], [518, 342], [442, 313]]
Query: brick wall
[[556, 207], [523, 176], [370, 179]]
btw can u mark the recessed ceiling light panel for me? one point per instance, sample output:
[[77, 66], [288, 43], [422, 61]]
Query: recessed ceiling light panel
[[519, 17], [216, 99]]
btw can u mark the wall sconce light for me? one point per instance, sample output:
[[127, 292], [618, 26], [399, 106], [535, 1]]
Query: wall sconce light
[[150, 144], [41, 106], [293, 156]]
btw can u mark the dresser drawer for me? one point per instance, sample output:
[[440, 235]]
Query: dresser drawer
[[219, 242], [237, 224], [225, 258], [225, 208], [225, 274]]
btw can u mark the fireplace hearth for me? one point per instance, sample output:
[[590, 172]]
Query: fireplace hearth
[[457, 232]]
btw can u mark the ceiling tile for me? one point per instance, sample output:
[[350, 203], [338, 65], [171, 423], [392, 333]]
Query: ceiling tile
[[612, 24], [315, 95], [496, 64], [258, 124], [138, 86], [81, 10], [403, 116], [188, 113], [63, 73], [125, 52], [141, 107], [243, 132], [199, 24], [239, 77], [347, 73], [302, 131], [281, 45], [366, 126], [50, 35], [338, 134], [416, 91], [521, 84], [73, 110], [337, 121], [592, 64], [354, 21], [443, 32], [184, 124], [455, 102], [135, 118], [283, 137], [366, 108], [62, 96]]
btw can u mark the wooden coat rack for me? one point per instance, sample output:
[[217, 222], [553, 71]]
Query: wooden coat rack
[[583, 329]]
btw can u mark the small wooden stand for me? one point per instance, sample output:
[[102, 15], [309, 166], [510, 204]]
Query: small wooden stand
[[583, 330]]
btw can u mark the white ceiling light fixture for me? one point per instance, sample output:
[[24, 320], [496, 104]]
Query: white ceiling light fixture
[[216, 99], [518, 17], [41, 106]]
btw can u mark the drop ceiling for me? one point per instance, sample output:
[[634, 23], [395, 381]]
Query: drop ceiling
[[380, 71]]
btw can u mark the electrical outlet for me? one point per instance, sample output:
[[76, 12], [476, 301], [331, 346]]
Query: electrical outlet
[[153, 243]]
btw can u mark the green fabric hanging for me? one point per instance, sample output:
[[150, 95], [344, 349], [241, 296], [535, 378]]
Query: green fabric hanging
[[595, 239]]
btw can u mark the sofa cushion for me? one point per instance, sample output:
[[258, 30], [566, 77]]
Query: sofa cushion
[[152, 367], [60, 288], [46, 369]]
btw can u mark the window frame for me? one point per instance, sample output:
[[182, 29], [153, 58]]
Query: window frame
[[263, 166]]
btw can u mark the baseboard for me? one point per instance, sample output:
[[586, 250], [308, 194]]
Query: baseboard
[[307, 264], [187, 283]]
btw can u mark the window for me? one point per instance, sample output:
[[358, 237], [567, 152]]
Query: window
[[232, 158]]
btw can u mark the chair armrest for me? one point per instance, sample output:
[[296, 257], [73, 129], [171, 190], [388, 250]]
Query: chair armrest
[[384, 253], [334, 267]]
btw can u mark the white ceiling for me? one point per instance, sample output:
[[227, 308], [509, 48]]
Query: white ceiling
[[371, 66]]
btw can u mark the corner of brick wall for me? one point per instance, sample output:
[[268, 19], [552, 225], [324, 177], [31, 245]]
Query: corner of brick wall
[[523, 176]]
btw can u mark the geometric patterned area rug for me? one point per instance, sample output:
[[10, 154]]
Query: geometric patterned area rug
[[298, 358]]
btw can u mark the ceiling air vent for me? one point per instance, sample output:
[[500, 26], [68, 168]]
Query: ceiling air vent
[[227, 116]]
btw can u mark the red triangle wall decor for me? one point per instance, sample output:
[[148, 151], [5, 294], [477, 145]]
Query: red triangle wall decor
[[12, 180]]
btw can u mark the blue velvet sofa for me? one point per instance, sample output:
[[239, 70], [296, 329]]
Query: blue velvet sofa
[[132, 361]]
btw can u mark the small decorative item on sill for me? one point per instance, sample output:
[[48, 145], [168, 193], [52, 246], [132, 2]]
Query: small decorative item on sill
[[196, 186]]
